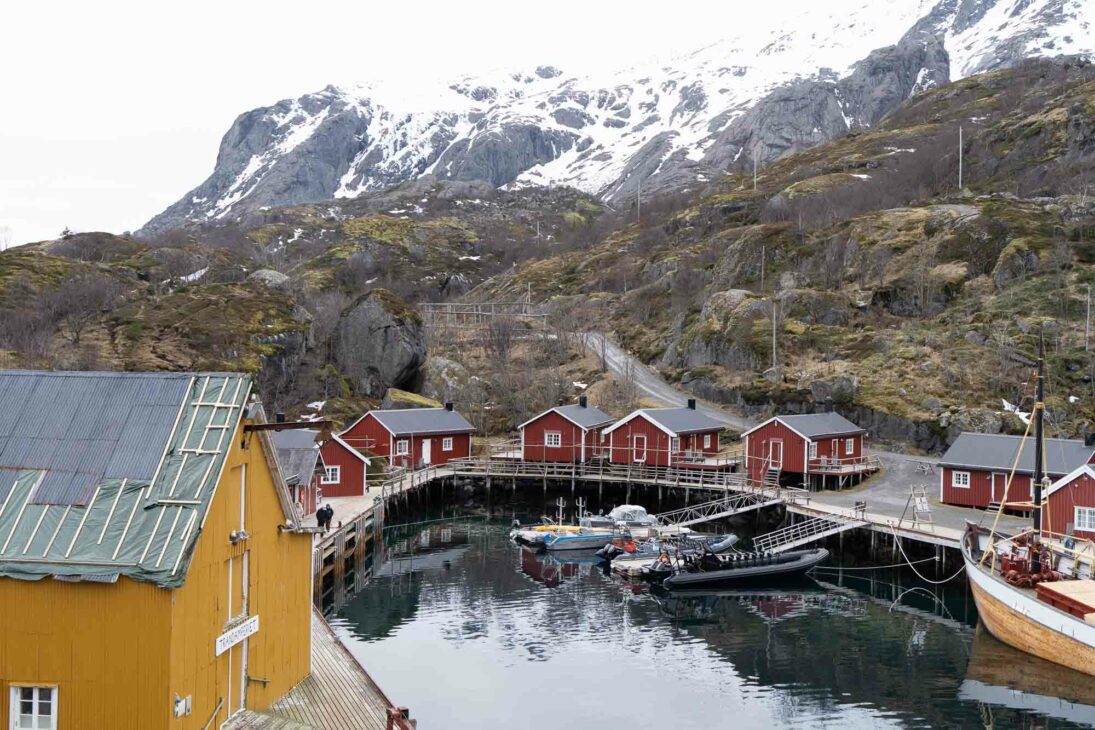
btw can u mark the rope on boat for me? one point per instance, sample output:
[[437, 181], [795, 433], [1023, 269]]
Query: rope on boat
[[878, 567], [897, 539]]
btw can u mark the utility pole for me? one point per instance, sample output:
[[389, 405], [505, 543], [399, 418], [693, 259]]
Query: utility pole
[[754, 169], [775, 316], [959, 158], [1087, 322], [639, 202], [762, 269], [537, 229]]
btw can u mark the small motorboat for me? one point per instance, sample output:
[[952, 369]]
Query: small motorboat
[[710, 569], [693, 542], [584, 538]]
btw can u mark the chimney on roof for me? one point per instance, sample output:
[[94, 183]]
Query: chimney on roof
[[448, 406], [1089, 439], [279, 418], [583, 401], [691, 404]]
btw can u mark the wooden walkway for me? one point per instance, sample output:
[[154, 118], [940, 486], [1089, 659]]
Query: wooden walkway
[[337, 695]]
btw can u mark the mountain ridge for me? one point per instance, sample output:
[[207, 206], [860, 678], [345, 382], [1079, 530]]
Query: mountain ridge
[[664, 126]]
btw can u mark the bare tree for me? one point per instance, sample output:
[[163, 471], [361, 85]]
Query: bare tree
[[498, 340], [81, 300]]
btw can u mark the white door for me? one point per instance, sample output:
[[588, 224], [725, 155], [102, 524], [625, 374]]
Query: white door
[[425, 451], [775, 454], [639, 448]]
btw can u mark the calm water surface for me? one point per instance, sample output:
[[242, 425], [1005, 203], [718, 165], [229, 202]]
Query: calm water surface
[[471, 631]]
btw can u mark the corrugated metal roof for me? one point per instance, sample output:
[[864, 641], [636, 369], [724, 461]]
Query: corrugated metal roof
[[674, 420], [403, 421], [298, 453], [997, 452], [83, 427], [584, 416], [813, 425], [105, 473]]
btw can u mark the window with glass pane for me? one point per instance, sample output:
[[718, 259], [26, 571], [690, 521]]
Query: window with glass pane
[[33, 708]]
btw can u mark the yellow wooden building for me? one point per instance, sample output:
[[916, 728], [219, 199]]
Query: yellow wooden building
[[153, 571]]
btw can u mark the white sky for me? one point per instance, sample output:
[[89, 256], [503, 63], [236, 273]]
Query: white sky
[[110, 111]]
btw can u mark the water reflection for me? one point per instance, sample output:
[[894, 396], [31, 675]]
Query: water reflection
[[471, 630]]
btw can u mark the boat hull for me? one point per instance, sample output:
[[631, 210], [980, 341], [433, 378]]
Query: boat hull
[[1022, 621], [804, 560]]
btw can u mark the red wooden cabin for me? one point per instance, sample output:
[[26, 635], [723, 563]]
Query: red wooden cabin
[[1070, 504], [814, 449], [569, 434], [974, 472], [678, 437], [301, 465], [412, 437], [345, 469]]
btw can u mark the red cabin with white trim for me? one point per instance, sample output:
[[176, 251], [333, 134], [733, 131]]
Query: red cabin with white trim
[[345, 469], [567, 434], [677, 437], [815, 449], [976, 468], [412, 437], [1070, 504]]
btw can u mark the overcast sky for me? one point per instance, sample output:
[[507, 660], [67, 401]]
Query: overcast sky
[[113, 110]]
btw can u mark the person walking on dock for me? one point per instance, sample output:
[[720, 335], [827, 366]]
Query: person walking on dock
[[323, 517]]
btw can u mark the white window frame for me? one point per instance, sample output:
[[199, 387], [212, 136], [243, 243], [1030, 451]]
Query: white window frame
[[675, 445], [16, 699], [812, 453], [402, 447], [553, 439], [1087, 524], [707, 441], [331, 475], [446, 443], [957, 482], [849, 446]]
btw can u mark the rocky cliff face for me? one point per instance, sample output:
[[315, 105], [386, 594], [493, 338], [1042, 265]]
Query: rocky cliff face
[[804, 79]]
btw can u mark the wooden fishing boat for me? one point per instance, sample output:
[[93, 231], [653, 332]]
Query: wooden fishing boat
[[1034, 590]]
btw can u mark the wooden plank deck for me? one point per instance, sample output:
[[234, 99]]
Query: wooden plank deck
[[337, 695]]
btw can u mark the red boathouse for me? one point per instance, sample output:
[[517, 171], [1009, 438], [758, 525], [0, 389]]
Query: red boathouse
[[1070, 504], [974, 472], [569, 434], [679, 437], [813, 449], [412, 437], [301, 464], [345, 469]]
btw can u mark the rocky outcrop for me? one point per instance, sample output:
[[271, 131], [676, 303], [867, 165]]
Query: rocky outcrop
[[271, 278], [726, 335], [444, 379], [378, 343]]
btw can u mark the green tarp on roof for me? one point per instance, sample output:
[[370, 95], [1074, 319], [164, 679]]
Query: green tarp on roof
[[142, 511]]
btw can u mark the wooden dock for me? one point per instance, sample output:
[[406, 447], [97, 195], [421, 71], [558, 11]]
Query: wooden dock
[[338, 694]]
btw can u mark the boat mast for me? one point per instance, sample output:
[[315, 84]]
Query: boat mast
[[1039, 410]]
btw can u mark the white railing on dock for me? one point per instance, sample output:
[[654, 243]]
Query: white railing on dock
[[803, 533]]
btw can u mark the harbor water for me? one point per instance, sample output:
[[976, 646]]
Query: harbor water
[[470, 630]]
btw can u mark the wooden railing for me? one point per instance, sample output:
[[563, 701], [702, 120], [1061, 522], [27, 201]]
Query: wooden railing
[[844, 465]]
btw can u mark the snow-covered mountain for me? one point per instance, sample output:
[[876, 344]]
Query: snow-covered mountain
[[803, 79]]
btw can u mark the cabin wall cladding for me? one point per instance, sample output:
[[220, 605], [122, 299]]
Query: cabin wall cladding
[[104, 646], [570, 448], [793, 449], [622, 442], [351, 471], [1060, 512], [278, 591], [985, 488]]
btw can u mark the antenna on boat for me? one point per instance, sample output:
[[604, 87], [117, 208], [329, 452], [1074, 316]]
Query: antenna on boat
[[1039, 410]]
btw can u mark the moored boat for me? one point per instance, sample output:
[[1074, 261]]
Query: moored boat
[[1034, 590], [714, 570]]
